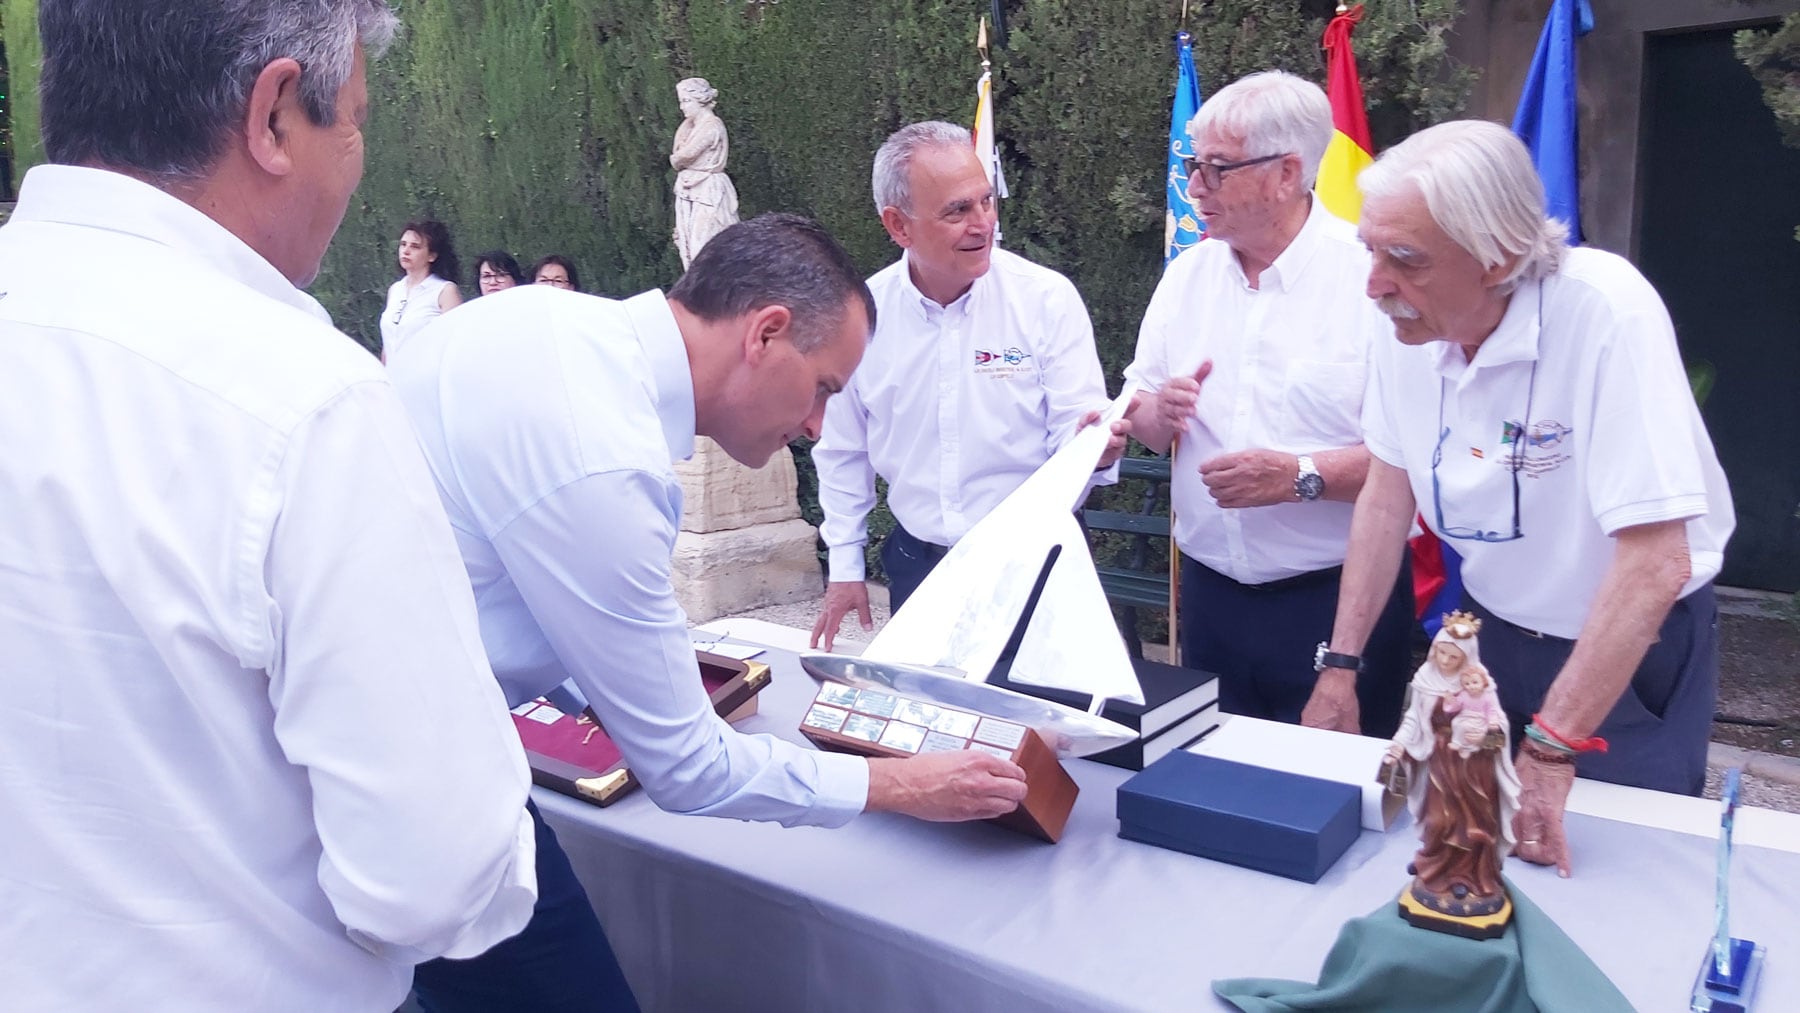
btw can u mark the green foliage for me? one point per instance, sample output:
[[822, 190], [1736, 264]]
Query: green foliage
[[1773, 56], [18, 26]]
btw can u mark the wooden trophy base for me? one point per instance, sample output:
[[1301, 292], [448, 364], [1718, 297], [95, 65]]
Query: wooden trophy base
[[876, 724], [1471, 917]]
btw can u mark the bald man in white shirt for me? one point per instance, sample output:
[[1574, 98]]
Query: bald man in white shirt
[[981, 367], [1254, 351], [237, 649]]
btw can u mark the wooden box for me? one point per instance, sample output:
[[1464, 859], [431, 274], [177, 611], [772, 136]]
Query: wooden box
[[572, 754], [877, 724]]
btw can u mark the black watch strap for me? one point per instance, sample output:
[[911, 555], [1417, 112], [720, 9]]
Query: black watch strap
[[1325, 658]]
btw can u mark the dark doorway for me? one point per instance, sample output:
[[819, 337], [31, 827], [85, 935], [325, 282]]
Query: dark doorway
[[1720, 202]]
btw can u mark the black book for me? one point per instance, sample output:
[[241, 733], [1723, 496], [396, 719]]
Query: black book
[[1140, 753], [1171, 696]]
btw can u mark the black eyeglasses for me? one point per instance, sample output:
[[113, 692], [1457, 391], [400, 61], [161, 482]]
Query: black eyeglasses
[[1520, 437], [1212, 174]]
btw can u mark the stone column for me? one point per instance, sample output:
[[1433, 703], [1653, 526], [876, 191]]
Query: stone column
[[742, 544]]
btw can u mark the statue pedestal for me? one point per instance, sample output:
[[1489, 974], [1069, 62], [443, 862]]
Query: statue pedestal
[[742, 544]]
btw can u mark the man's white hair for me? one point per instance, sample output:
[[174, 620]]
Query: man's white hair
[[892, 178], [1271, 113], [1481, 189]]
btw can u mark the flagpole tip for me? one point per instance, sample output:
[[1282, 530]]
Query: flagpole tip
[[1342, 8]]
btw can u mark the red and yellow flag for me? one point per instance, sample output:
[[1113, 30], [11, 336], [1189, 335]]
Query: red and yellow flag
[[1350, 150]]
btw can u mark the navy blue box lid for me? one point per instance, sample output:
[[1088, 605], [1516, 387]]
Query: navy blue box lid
[[1270, 820]]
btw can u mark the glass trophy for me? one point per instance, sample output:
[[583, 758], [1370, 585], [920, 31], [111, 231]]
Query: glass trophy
[[1732, 967]]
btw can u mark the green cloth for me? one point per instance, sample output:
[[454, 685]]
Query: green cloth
[[1382, 963]]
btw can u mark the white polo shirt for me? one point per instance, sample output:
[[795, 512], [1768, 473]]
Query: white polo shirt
[[1290, 360], [251, 756], [1611, 438], [954, 405], [550, 419]]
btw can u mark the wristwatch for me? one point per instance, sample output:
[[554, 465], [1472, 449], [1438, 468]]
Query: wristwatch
[[1309, 485], [1324, 658]]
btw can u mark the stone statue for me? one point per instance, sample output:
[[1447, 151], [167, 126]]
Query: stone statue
[[1453, 754], [705, 201]]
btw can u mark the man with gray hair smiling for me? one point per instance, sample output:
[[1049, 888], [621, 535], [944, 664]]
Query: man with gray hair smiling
[[1254, 351], [1535, 411], [239, 660], [981, 367]]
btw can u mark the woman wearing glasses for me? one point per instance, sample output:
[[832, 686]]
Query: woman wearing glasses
[[556, 270], [427, 285], [497, 271]]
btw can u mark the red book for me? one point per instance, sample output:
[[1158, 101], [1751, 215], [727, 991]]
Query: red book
[[572, 754]]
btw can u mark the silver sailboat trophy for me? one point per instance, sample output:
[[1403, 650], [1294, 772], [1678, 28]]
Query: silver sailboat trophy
[[1024, 569]]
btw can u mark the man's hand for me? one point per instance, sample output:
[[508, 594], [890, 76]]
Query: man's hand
[[946, 787], [1333, 703], [1115, 444], [1251, 478], [1176, 399], [841, 597], [1538, 827]]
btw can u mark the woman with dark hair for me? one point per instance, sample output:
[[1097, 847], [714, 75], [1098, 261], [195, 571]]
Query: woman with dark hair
[[427, 285], [557, 270], [496, 271]]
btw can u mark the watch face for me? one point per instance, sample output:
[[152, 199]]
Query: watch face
[[1310, 486]]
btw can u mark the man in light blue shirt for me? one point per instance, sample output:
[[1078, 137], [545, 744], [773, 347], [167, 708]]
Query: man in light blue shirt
[[550, 420]]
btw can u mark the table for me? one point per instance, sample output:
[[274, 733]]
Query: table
[[893, 913]]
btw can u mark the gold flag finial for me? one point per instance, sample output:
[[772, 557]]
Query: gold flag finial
[[1342, 8], [981, 37]]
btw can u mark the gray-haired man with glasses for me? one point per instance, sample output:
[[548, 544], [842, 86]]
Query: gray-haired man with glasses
[[1536, 412]]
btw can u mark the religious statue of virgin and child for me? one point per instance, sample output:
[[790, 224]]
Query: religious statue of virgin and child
[[1453, 759]]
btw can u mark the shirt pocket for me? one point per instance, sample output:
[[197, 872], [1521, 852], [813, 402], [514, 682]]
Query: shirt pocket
[[1322, 404]]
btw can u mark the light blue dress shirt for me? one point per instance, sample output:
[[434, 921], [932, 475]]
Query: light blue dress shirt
[[550, 420]]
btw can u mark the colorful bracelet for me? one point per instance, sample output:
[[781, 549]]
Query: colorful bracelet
[[1532, 749], [1593, 745], [1535, 734]]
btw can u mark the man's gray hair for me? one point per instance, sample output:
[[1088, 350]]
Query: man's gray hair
[[1271, 113], [893, 163], [159, 87], [1481, 189]]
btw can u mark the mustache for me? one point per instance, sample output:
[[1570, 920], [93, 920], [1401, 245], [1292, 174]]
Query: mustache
[[1397, 308]]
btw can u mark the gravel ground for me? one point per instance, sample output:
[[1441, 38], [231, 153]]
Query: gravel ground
[[1759, 681]]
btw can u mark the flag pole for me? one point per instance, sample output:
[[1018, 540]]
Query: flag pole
[[981, 45], [1174, 563]]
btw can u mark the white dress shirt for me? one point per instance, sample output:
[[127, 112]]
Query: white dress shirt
[[251, 757], [550, 419], [1290, 360], [408, 310], [1612, 439], [954, 405]]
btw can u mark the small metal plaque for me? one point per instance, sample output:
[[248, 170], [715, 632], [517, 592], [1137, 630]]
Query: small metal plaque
[[1000, 733], [1004, 754], [915, 713], [828, 718], [838, 695], [904, 737], [957, 723], [938, 742], [864, 727], [880, 704]]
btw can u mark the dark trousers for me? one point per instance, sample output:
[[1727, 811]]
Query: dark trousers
[[1658, 732], [1260, 639], [907, 561], [560, 963]]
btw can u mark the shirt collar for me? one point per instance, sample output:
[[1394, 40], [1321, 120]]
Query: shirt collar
[[1285, 272], [928, 308], [660, 337], [1514, 340], [112, 202]]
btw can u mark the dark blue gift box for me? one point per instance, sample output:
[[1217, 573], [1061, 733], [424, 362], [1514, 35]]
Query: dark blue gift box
[[1268, 820]]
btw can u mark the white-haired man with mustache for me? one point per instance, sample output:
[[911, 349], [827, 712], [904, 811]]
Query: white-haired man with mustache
[[1535, 412], [1254, 351]]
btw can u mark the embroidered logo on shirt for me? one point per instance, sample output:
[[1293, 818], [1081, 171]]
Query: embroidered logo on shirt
[[1008, 361], [1540, 454]]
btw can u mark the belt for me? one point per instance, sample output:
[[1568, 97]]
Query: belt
[[1284, 584], [1489, 615]]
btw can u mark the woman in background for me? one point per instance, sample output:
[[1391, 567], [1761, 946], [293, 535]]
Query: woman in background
[[427, 285], [497, 271], [557, 270]]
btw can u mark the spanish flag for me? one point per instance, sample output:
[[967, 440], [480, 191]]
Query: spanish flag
[[1350, 151]]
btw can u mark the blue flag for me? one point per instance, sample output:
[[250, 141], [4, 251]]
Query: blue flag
[[1545, 120], [1183, 227]]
